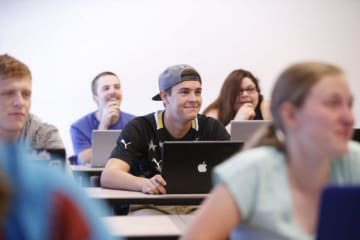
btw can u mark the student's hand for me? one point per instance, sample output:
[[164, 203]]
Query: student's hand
[[109, 113], [245, 112], [154, 185]]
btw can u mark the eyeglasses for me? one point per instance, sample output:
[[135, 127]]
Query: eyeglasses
[[249, 90]]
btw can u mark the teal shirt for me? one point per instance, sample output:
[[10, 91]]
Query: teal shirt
[[257, 180]]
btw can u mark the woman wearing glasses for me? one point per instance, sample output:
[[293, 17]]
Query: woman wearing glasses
[[239, 99]]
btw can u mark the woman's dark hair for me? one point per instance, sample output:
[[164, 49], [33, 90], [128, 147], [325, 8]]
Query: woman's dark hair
[[225, 102]]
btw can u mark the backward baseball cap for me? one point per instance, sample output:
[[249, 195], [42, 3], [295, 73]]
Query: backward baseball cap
[[174, 75]]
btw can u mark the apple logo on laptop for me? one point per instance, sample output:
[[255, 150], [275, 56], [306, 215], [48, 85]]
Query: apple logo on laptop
[[202, 167]]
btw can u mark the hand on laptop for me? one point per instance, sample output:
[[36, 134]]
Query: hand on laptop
[[154, 185]]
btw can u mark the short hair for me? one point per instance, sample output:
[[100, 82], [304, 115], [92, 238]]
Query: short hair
[[10, 67], [94, 81]]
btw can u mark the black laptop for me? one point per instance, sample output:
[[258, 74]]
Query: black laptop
[[187, 165], [339, 215], [356, 135]]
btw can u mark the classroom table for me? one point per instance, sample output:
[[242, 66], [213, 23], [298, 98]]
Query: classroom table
[[86, 176], [115, 196], [147, 227]]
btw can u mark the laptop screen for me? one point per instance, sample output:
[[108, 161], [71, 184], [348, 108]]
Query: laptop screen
[[339, 215], [187, 165], [103, 142], [244, 130]]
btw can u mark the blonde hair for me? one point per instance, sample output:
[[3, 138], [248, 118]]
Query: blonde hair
[[10, 67], [293, 85]]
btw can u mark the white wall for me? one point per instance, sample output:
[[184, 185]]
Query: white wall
[[66, 43]]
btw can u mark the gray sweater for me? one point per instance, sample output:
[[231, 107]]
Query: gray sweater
[[38, 134]]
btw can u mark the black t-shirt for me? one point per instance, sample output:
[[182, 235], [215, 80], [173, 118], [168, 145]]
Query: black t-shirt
[[258, 113], [140, 142]]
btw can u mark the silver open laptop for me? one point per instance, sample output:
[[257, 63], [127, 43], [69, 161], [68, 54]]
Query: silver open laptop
[[243, 130], [103, 142]]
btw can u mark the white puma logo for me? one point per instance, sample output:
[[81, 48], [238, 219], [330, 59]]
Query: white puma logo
[[125, 144], [158, 167]]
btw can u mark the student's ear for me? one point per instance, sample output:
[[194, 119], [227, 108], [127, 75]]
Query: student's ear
[[95, 98], [287, 112], [164, 97]]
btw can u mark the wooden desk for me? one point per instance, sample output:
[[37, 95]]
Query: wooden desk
[[147, 227], [130, 197]]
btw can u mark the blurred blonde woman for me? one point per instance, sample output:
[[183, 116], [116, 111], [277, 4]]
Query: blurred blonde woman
[[272, 190]]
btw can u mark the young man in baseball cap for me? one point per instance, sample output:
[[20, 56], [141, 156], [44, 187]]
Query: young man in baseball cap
[[135, 162]]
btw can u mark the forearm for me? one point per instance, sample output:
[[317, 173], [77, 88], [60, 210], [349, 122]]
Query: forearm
[[84, 156], [119, 179], [103, 125]]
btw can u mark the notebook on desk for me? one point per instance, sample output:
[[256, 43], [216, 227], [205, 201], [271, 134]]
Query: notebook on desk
[[53, 157], [339, 214], [243, 130], [103, 142], [187, 165]]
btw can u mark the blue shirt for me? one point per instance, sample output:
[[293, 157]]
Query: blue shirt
[[81, 130]]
